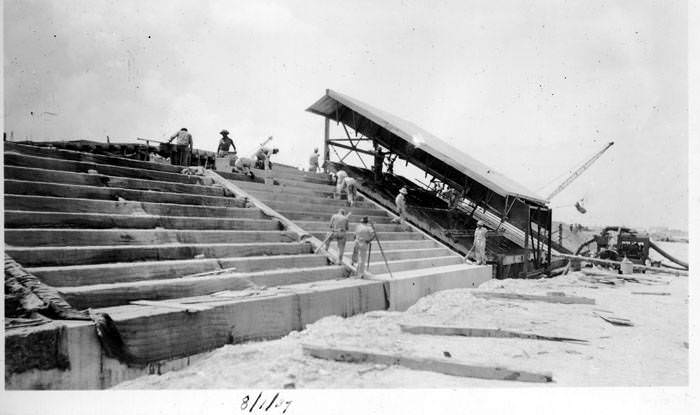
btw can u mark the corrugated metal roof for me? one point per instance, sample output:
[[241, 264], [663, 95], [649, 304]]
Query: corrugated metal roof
[[432, 145]]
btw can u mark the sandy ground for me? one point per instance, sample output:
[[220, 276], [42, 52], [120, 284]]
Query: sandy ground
[[654, 352]]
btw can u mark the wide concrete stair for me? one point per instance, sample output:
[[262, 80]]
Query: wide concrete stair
[[183, 266], [112, 231]]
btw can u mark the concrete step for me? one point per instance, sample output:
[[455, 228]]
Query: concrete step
[[24, 160], [29, 219], [319, 208], [105, 295], [396, 245], [64, 177], [320, 191], [72, 255], [407, 287], [401, 254], [294, 198], [75, 275], [111, 207], [377, 265], [97, 237], [88, 157], [318, 226], [305, 185], [326, 217], [294, 175], [383, 236], [22, 187]]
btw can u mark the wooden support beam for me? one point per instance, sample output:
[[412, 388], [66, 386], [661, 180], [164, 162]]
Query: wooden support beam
[[359, 150], [527, 297], [481, 332], [439, 365]]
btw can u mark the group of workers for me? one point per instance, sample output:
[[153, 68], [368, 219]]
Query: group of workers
[[339, 223], [181, 153]]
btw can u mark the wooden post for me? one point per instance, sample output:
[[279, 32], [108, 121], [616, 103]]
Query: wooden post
[[326, 148], [561, 230]]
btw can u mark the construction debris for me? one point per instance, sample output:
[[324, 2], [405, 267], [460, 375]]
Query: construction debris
[[528, 297], [445, 366], [481, 332]]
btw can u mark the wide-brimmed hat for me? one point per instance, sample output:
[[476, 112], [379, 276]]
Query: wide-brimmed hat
[[403, 190], [480, 223], [223, 132]]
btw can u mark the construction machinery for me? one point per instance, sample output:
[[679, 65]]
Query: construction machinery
[[578, 172], [617, 242]]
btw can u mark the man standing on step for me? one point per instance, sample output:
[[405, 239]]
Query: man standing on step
[[313, 161], [364, 235], [339, 183], [339, 225], [351, 190], [480, 243], [225, 144], [401, 206], [183, 147]]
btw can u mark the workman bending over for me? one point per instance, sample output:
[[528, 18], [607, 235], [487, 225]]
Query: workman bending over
[[401, 206], [364, 235], [339, 225], [480, 243], [263, 157], [183, 147], [243, 165]]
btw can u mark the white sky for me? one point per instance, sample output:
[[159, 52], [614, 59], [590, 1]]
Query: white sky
[[529, 88]]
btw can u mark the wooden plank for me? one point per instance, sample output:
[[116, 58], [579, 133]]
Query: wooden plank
[[64, 204], [481, 332], [106, 295], [88, 157], [107, 273], [20, 187], [101, 237], [321, 191], [62, 256], [438, 365], [528, 297], [649, 293], [29, 219], [58, 176], [22, 160], [616, 321]]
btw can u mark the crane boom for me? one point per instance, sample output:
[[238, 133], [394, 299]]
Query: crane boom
[[580, 170]]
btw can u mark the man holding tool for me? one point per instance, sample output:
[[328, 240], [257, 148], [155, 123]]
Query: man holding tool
[[364, 235], [339, 226]]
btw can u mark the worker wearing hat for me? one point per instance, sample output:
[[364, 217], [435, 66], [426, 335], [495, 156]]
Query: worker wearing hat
[[401, 205], [364, 234], [313, 161], [480, 243], [225, 144]]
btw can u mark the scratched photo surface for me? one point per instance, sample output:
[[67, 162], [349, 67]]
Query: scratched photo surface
[[268, 196]]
